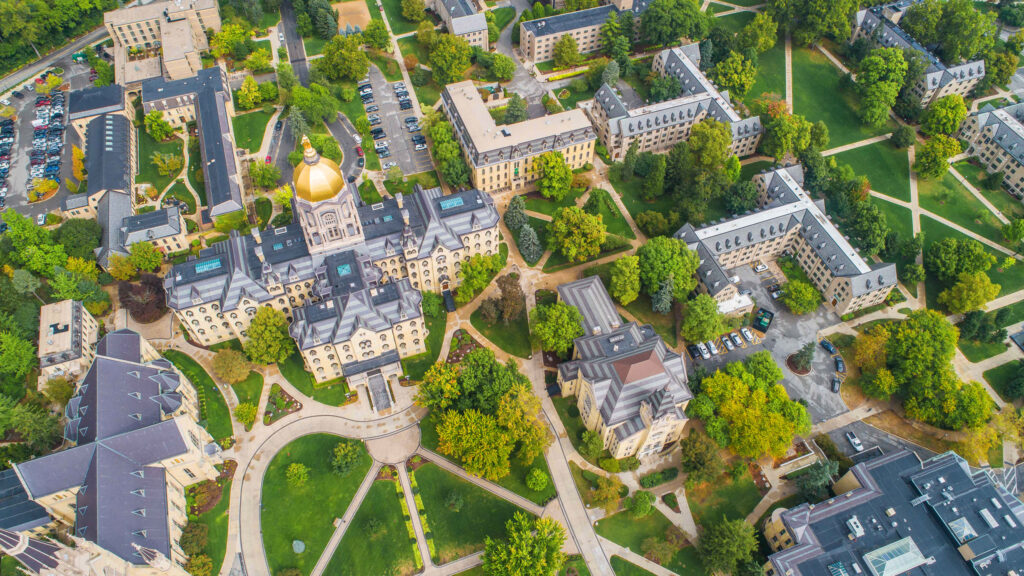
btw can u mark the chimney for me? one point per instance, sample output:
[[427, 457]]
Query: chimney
[[405, 215], [256, 235], [398, 198]]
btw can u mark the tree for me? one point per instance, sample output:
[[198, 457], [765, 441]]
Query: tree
[[194, 538], [144, 300], [157, 127], [699, 457], [663, 88], [641, 504], [567, 53], [529, 244], [120, 267], [759, 34], [231, 366], [802, 359], [259, 61], [414, 10], [868, 227], [477, 440], [532, 546], [439, 389], [145, 256], [476, 274], [785, 134], [297, 474], [948, 258], [537, 480], [449, 58], [879, 80], [245, 413], [555, 326], [376, 35], [269, 341], [286, 79], [608, 493], [575, 234], [654, 182], [555, 175], [810, 20], [611, 32], [512, 302], [316, 102], [801, 297], [610, 76], [663, 257], [25, 282], [726, 544], [661, 301], [903, 136], [813, 483], [17, 355], [166, 164], [1013, 232], [658, 550], [79, 236], [624, 284], [735, 74], [944, 116], [343, 58], [516, 111], [971, 292], [933, 157], [59, 391], [425, 34], [668, 20], [346, 455], [199, 565], [701, 320], [591, 445], [264, 175], [519, 413], [504, 68]]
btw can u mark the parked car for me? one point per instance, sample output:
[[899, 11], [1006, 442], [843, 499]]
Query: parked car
[[388, 165], [728, 344], [835, 384], [379, 135], [359, 151], [372, 108], [17, 94], [360, 162], [267, 160], [712, 348], [41, 219], [854, 441], [419, 147], [278, 126], [703, 351], [736, 339], [760, 268], [840, 365], [828, 346], [776, 294], [280, 37]]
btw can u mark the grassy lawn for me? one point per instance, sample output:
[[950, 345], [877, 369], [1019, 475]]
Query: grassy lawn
[[715, 8], [212, 408], [630, 533], [976, 351], [428, 94], [458, 534], [897, 217], [516, 481], [249, 390], [503, 16], [748, 171], [264, 209], [569, 102], [576, 563], [1000, 376], [409, 45], [315, 45], [948, 198], [814, 75], [734, 499], [181, 192], [359, 553], [886, 167], [305, 513], [574, 427], [664, 324], [216, 519], [424, 179], [294, 371], [626, 568], [1016, 314], [393, 10], [195, 171], [387, 65], [368, 192], [513, 337], [249, 129], [734, 22], [147, 147], [1008, 205], [541, 228], [542, 205], [614, 221], [629, 190], [415, 366], [557, 261], [771, 72]]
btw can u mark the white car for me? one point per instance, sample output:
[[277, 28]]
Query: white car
[[5, 102], [419, 147], [703, 351], [41, 219], [280, 36], [736, 339], [728, 344], [760, 268], [388, 165], [747, 334], [380, 144], [854, 441], [712, 348]]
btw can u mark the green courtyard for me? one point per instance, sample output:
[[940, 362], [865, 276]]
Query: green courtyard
[[886, 167], [249, 129], [378, 526]]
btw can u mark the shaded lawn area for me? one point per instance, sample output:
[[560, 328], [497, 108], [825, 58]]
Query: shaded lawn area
[[537, 203], [771, 73], [195, 171], [216, 519], [181, 192], [359, 553], [630, 533], [629, 190], [457, 534], [147, 147], [409, 45], [387, 65], [513, 337], [976, 351], [541, 228], [393, 10], [813, 76], [614, 221], [638, 71], [305, 513], [574, 427], [1009, 280], [898, 219], [264, 209], [315, 45], [428, 94], [1000, 376], [576, 563], [1008, 205], [948, 198], [734, 22], [715, 8], [368, 192], [664, 324], [1016, 313], [623, 567], [569, 102], [213, 410], [424, 179], [416, 366], [557, 261], [748, 171], [733, 499], [886, 168], [249, 129], [503, 16], [249, 390], [332, 393]]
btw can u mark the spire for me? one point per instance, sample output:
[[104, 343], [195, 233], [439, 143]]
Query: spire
[[154, 558], [309, 155]]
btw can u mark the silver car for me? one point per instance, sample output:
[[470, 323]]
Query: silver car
[[736, 339]]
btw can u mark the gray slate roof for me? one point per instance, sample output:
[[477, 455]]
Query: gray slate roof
[[463, 16], [116, 418], [95, 100], [111, 212], [35, 554], [1008, 127], [151, 225], [108, 153], [562, 23], [940, 504], [589, 296], [17, 512]]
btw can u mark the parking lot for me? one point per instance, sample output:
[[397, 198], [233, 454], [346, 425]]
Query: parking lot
[[787, 334], [874, 441], [393, 122]]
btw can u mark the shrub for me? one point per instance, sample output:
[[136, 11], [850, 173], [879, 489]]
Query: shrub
[[231, 366], [641, 504], [610, 465], [297, 474], [245, 413], [537, 480], [345, 457], [193, 538], [629, 464], [199, 565], [655, 478]]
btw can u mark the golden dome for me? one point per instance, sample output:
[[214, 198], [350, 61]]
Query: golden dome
[[316, 179]]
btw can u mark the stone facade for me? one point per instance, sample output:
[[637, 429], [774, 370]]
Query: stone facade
[[996, 140]]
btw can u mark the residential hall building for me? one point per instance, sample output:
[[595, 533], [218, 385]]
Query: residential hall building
[[787, 221], [347, 275], [660, 126], [462, 19], [628, 385], [996, 140], [67, 341], [501, 158], [538, 37], [135, 444], [880, 24], [895, 515]]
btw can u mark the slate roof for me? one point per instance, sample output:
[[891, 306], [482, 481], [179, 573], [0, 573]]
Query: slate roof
[[17, 511], [788, 207], [209, 92], [562, 23], [111, 212], [462, 16], [151, 226], [108, 153], [469, 24], [117, 419], [1007, 125], [34, 554], [95, 100], [595, 305], [939, 512]]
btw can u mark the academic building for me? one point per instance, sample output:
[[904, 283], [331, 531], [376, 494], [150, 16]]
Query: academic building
[[787, 221], [462, 19], [660, 126], [895, 515], [630, 388], [880, 24], [67, 341], [501, 158], [996, 139]]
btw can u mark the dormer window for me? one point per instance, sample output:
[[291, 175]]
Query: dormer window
[[140, 512]]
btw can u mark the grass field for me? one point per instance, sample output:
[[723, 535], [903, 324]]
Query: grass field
[[569, 102], [542, 205], [415, 366], [314, 45], [409, 45], [513, 337], [886, 167], [1008, 205], [626, 568], [614, 221], [1010, 280], [976, 351], [249, 129], [948, 198], [503, 16], [1000, 376], [264, 209], [630, 533], [771, 73], [387, 65], [813, 76], [748, 171], [393, 10], [181, 192], [360, 553], [629, 190], [1016, 314], [368, 192], [457, 534], [424, 179], [715, 8], [897, 217], [216, 520], [147, 171], [212, 408], [734, 22], [557, 261], [294, 371], [733, 499], [249, 390]]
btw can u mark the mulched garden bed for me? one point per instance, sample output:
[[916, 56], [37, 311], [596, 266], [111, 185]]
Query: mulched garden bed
[[415, 462], [279, 405], [207, 494], [462, 344], [791, 366], [387, 472]]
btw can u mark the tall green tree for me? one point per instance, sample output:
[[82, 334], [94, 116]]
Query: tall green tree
[[578, 236], [449, 58], [701, 320], [555, 326], [933, 157], [268, 341], [532, 546], [343, 59], [555, 175], [662, 257], [944, 116], [477, 441], [736, 74], [879, 79], [726, 544], [624, 285]]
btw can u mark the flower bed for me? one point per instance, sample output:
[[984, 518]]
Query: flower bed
[[205, 495], [279, 405], [462, 344]]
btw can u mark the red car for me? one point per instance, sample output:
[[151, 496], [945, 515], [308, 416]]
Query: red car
[[359, 151], [267, 161]]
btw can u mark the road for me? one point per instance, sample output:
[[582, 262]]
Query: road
[[293, 42], [18, 77], [348, 138]]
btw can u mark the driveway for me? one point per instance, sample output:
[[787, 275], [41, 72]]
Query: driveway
[[522, 82], [293, 42], [348, 138], [787, 334], [393, 122]]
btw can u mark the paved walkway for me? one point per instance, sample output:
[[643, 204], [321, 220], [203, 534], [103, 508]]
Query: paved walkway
[[977, 194], [346, 520], [859, 144], [627, 554], [491, 487], [417, 524], [789, 72]]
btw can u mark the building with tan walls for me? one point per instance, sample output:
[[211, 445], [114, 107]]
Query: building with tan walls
[[462, 19], [538, 37], [660, 126], [501, 158], [788, 221], [86, 104], [111, 160], [996, 140], [67, 341], [629, 386]]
